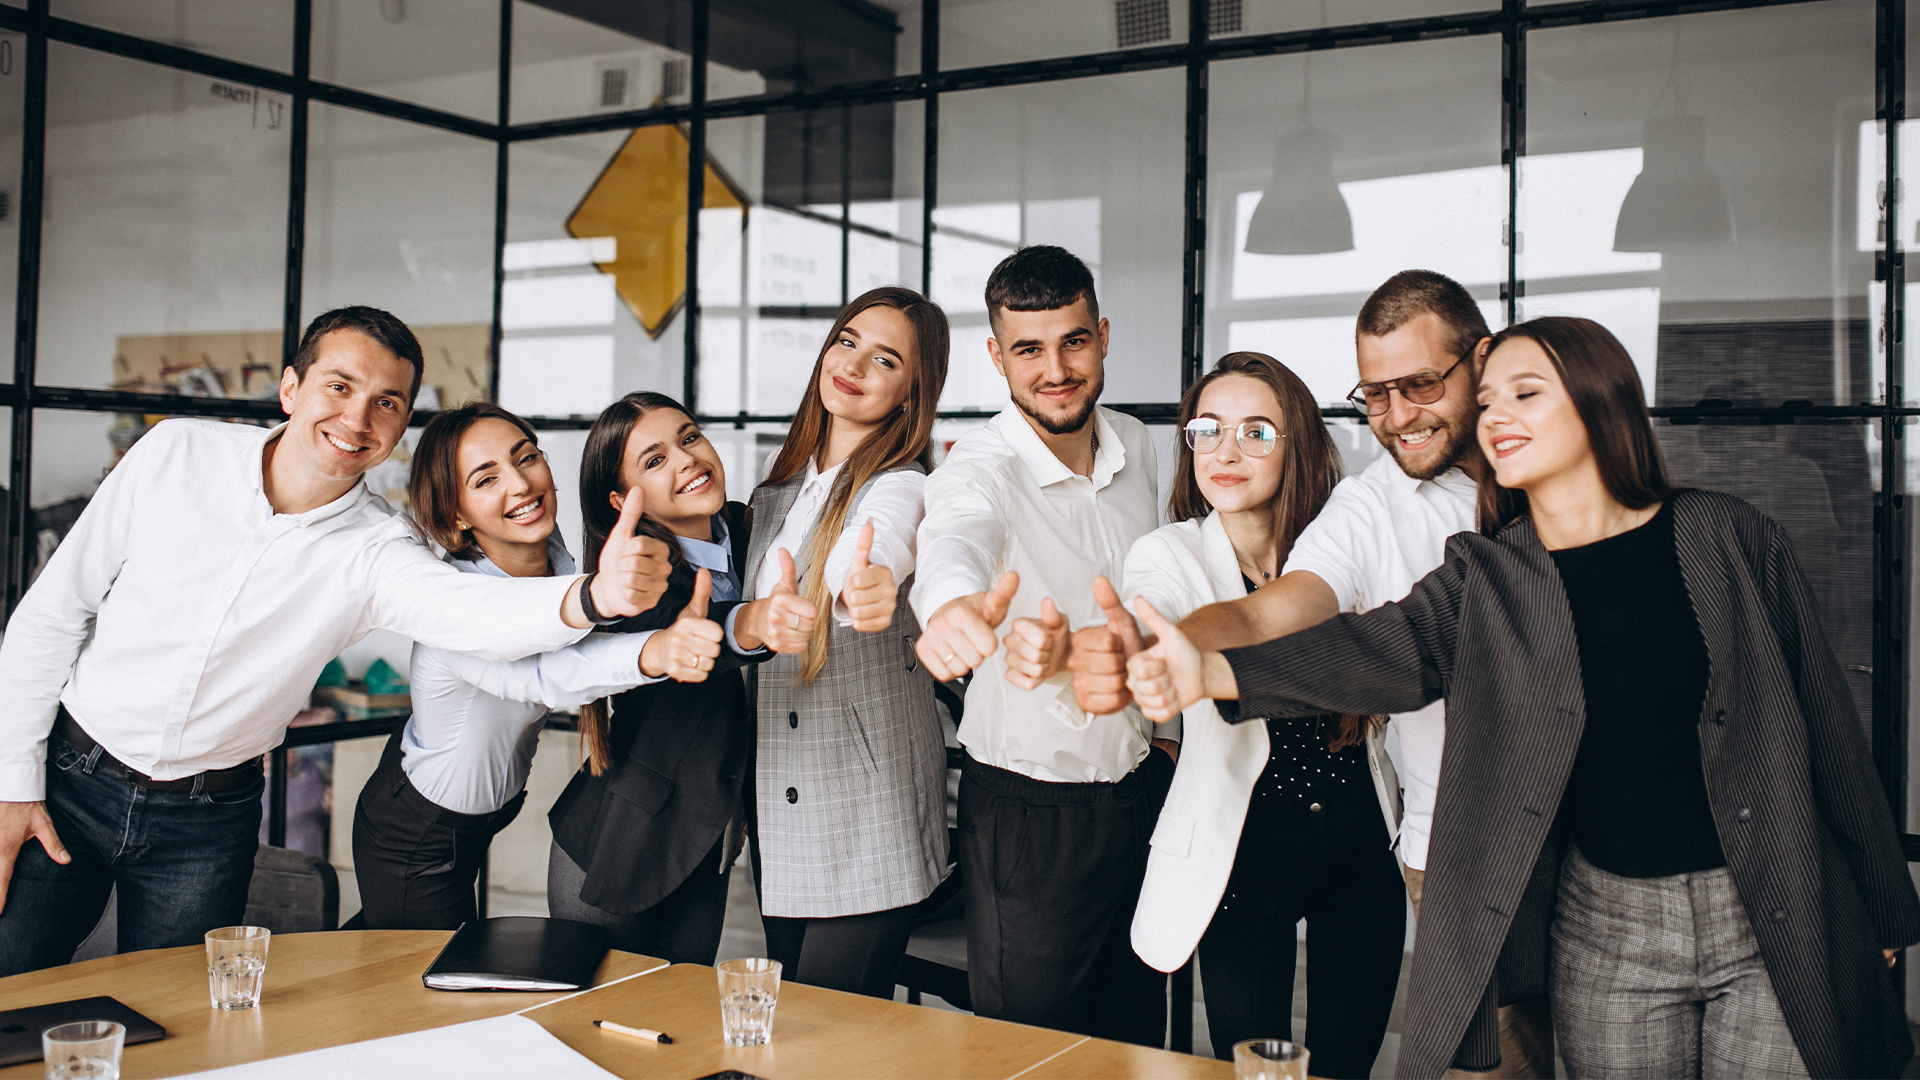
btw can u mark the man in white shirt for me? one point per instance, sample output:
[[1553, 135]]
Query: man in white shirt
[[1055, 808], [185, 618], [1383, 530]]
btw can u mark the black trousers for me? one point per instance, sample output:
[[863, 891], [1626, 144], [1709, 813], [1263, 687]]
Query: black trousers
[[1333, 868], [416, 861], [683, 928], [859, 954], [1052, 874]]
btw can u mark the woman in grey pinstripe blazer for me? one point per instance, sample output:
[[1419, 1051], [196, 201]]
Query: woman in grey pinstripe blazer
[[850, 827], [1745, 929]]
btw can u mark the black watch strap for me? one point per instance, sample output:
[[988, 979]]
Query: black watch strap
[[586, 603]]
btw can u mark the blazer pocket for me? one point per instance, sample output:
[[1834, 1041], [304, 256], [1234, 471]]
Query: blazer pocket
[[641, 786], [860, 738], [1174, 835]]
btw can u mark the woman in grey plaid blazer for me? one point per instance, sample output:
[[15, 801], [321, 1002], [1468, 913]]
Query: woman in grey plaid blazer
[[1743, 930], [850, 828]]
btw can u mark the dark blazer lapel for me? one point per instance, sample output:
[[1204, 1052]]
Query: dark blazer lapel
[[1710, 586], [770, 505]]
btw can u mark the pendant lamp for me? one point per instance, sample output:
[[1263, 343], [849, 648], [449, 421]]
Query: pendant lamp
[[1677, 198], [1302, 211]]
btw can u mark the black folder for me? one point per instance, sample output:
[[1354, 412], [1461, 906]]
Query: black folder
[[519, 953], [20, 1028]]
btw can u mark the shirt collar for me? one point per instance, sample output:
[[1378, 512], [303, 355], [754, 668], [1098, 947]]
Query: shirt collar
[[816, 478], [1108, 460], [1454, 479], [559, 561], [347, 501], [716, 555]]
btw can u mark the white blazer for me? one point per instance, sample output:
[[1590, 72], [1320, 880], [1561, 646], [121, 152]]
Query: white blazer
[[1179, 568]]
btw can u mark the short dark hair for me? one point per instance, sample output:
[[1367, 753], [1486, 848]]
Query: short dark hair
[[1410, 294], [383, 327], [1039, 278], [433, 487]]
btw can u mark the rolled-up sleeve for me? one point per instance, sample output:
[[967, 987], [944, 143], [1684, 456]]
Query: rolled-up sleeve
[[959, 542]]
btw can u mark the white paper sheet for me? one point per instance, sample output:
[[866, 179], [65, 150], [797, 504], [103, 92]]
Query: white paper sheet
[[507, 1047]]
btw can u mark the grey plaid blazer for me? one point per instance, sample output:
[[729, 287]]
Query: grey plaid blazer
[[850, 779], [1798, 805]]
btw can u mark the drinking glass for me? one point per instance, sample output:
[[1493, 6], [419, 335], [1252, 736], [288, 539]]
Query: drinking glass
[[236, 965], [90, 1048], [749, 989], [1269, 1059]]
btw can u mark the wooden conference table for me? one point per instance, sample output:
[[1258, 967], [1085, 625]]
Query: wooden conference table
[[346, 986]]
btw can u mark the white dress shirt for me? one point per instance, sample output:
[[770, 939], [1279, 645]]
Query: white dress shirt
[[1380, 532], [183, 623], [893, 503], [1002, 501], [476, 723]]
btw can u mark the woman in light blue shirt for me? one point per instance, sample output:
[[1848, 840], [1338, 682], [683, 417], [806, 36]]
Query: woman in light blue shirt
[[456, 774]]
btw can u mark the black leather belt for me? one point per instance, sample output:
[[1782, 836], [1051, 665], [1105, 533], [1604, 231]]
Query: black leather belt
[[213, 780]]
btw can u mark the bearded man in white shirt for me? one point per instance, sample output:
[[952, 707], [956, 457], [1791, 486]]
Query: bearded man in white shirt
[[1055, 808], [185, 618], [1382, 530]]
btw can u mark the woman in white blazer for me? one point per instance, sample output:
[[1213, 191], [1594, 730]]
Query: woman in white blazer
[[1266, 824]]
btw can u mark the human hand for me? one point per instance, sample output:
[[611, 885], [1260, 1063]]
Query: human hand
[[686, 651], [1098, 657], [1166, 678], [782, 620], [19, 823], [959, 637], [633, 568], [870, 591], [1037, 648]]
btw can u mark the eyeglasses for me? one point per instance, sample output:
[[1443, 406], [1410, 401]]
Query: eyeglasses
[[1373, 398], [1256, 438]]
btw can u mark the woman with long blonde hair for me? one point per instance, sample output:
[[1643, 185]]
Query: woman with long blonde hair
[[850, 815]]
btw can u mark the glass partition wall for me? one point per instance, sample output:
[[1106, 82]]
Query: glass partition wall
[[574, 199]]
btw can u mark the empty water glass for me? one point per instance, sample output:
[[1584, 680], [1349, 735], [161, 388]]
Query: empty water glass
[[90, 1048], [1269, 1059], [749, 989], [236, 965]]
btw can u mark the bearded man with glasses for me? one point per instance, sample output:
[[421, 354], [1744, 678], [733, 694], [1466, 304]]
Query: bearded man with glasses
[[1417, 338]]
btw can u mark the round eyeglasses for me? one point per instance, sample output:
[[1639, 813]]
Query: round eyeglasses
[[1257, 438]]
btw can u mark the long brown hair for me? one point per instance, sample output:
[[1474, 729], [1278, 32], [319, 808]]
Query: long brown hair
[[433, 486], [905, 436], [1605, 387], [601, 467]]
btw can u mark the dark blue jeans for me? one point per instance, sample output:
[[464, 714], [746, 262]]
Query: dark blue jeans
[[182, 863]]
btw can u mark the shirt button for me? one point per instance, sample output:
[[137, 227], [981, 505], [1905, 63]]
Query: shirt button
[[1744, 814], [1779, 915], [793, 796], [1315, 808], [1720, 717], [793, 719]]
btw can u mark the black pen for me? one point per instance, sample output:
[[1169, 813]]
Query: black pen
[[638, 1033]]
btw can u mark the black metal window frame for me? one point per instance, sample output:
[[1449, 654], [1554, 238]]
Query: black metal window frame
[[1510, 20]]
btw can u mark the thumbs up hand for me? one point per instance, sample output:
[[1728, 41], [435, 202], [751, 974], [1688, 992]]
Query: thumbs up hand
[[1037, 648], [685, 652], [633, 569], [1169, 676], [959, 637], [870, 592], [1098, 657], [782, 620]]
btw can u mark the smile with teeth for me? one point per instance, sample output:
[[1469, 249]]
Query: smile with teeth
[[344, 447], [1416, 438], [1510, 442], [697, 484], [526, 510]]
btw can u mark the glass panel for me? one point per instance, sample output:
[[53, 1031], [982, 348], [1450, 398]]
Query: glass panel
[[163, 256], [1702, 185], [255, 32], [595, 265], [577, 59], [975, 33], [760, 48], [1328, 173], [12, 96], [831, 210], [1094, 165], [1232, 18], [401, 217], [441, 53]]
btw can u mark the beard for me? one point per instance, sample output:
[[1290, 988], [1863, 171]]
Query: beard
[[1450, 442], [1057, 423]]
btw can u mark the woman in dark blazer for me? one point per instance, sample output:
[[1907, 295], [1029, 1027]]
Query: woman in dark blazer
[[646, 832], [1658, 802]]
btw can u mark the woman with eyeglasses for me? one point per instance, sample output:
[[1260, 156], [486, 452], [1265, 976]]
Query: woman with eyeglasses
[[1265, 824], [456, 774], [1658, 800]]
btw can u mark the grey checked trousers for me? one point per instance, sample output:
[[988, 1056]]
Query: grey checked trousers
[[1662, 977]]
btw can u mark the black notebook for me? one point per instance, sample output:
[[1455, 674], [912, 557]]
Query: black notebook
[[519, 953], [20, 1028]]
